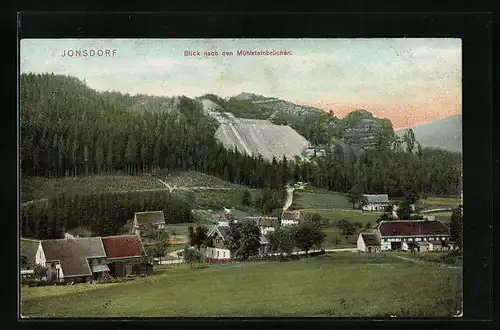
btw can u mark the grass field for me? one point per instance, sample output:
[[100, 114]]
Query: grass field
[[433, 256], [217, 199], [319, 200], [195, 179], [353, 216], [333, 238], [348, 284], [33, 188], [439, 202]]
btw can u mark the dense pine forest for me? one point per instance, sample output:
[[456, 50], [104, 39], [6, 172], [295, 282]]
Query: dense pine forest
[[69, 129]]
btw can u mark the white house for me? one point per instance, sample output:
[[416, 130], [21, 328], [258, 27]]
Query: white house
[[290, 218], [374, 202], [265, 224], [218, 249], [368, 242], [396, 207], [148, 218], [72, 259], [395, 235], [392, 234]]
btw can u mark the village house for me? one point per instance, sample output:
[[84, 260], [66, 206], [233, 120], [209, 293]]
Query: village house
[[265, 224], [374, 202], [395, 235], [228, 215], [219, 248], [368, 242], [77, 259], [147, 219], [290, 218], [125, 255]]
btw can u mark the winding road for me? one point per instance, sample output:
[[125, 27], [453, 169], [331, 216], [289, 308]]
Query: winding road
[[289, 198]]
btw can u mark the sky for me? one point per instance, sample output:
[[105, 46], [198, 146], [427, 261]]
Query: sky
[[408, 80]]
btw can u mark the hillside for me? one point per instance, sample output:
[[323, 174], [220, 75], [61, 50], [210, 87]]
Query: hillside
[[358, 131], [444, 133]]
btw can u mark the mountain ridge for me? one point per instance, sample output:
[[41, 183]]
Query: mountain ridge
[[444, 133]]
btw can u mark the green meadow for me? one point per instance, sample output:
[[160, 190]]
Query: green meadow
[[342, 284]]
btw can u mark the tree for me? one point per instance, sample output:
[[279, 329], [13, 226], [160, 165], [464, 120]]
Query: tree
[[315, 219], [385, 217], [243, 238], [198, 236], [355, 195], [404, 209], [40, 271], [157, 242], [308, 235], [456, 226], [346, 227], [246, 198], [24, 262], [193, 256], [282, 240]]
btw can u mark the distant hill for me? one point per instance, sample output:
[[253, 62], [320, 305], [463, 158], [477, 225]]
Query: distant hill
[[445, 133]]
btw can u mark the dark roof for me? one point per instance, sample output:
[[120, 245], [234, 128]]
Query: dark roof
[[290, 215], [125, 246], [72, 253], [223, 230], [370, 239], [382, 198], [250, 219], [150, 217], [412, 228]]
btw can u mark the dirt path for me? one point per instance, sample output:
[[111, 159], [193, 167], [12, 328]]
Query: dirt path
[[437, 210], [417, 261], [289, 198]]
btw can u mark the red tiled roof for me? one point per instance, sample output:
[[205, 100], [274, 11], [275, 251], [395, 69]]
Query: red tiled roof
[[290, 215], [412, 228], [123, 246]]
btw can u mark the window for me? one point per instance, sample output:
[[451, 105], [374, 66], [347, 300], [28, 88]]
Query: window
[[217, 254]]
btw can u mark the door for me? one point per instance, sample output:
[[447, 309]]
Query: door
[[395, 245], [370, 249]]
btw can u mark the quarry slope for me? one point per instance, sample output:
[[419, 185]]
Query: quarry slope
[[255, 136]]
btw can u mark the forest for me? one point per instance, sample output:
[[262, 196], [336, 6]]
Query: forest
[[69, 129]]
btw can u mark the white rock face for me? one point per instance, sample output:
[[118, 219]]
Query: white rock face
[[254, 136]]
